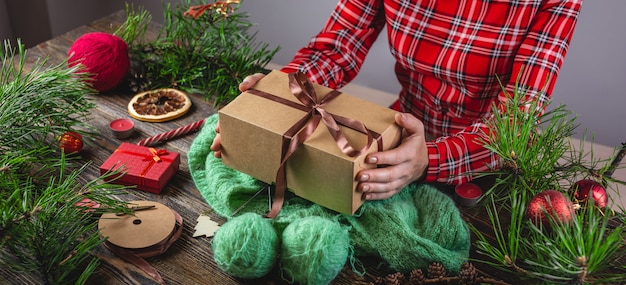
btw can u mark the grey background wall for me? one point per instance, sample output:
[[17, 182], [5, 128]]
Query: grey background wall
[[591, 81], [5, 25]]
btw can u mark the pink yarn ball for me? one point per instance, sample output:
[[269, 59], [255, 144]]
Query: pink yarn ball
[[104, 56]]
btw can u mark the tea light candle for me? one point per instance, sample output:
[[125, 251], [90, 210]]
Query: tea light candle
[[467, 194], [122, 128]]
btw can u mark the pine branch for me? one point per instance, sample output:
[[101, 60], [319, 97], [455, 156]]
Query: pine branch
[[578, 251], [536, 155], [39, 105], [209, 52], [42, 231]]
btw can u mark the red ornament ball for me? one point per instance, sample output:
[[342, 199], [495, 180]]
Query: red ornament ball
[[586, 188], [103, 56], [551, 202], [71, 142]]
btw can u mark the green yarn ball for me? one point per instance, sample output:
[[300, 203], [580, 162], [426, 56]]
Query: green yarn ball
[[314, 250], [246, 246]]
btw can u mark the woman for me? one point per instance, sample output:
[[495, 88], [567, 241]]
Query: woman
[[454, 60]]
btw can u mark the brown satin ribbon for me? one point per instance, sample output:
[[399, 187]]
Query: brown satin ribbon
[[136, 256], [303, 90], [153, 157]]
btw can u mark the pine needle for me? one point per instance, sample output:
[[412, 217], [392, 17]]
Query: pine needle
[[536, 155], [210, 54], [42, 231]]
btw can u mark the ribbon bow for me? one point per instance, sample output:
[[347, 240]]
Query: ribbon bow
[[303, 90], [155, 154]]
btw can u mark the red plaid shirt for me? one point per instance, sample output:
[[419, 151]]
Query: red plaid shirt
[[449, 55]]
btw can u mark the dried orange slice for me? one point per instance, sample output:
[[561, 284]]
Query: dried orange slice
[[159, 105]]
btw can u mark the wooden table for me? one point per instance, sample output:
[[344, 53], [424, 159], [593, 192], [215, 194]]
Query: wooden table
[[189, 260]]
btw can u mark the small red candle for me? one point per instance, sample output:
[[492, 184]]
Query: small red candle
[[122, 128], [467, 194]]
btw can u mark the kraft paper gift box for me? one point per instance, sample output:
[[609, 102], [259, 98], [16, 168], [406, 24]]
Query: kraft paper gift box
[[149, 169], [252, 129]]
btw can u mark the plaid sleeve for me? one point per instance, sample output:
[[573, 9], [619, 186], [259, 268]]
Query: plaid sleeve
[[536, 65], [335, 55], [541, 55]]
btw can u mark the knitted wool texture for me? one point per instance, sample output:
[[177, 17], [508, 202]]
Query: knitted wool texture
[[102, 55], [314, 250], [410, 230], [253, 253]]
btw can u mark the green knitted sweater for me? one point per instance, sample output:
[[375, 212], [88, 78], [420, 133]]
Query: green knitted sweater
[[410, 230]]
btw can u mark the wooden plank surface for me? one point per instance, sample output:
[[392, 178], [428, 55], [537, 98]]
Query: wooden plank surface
[[189, 260]]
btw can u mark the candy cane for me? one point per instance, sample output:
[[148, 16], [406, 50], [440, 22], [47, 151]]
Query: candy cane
[[171, 134]]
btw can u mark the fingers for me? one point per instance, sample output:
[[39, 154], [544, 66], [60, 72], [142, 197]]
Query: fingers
[[249, 81], [391, 178], [380, 195], [402, 165], [413, 139], [410, 124], [381, 184], [216, 145]]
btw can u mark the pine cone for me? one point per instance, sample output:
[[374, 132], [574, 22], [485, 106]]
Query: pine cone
[[468, 274], [138, 83], [378, 280], [436, 270], [416, 277], [394, 278]]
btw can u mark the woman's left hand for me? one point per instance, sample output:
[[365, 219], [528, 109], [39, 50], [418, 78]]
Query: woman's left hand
[[402, 165]]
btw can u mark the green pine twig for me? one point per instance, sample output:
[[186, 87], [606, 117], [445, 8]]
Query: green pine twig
[[40, 104], [42, 231], [210, 54], [536, 155]]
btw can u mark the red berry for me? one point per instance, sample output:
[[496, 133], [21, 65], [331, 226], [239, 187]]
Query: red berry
[[586, 188], [71, 142]]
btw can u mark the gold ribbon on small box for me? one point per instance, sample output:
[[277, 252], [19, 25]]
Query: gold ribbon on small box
[[303, 90], [153, 157]]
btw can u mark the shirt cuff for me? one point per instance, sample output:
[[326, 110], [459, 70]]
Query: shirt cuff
[[289, 68], [433, 170]]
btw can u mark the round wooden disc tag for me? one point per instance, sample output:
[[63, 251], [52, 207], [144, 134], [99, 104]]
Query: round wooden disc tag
[[146, 228]]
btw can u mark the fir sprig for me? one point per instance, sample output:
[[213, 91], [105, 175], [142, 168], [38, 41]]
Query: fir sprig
[[576, 251], [536, 155], [41, 103], [507, 230], [42, 231], [209, 53], [530, 143]]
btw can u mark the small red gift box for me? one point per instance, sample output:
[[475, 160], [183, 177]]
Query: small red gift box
[[148, 168]]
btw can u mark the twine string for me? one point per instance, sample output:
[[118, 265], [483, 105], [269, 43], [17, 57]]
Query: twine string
[[136, 256]]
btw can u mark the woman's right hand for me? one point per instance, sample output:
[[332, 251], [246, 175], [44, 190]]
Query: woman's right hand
[[247, 82]]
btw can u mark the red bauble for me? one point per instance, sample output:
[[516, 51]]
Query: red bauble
[[586, 188], [71, 142], [551, 202]]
